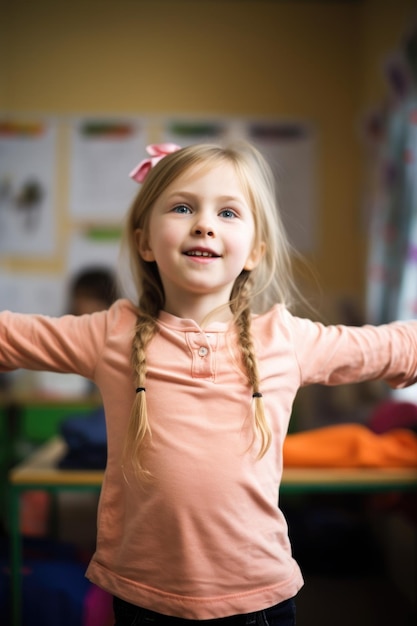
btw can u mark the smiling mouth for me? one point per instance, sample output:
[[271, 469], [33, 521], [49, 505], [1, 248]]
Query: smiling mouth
[[201, 253]]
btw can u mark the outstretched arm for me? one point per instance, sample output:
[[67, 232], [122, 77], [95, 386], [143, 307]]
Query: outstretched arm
[[66, 344], [335, 355]]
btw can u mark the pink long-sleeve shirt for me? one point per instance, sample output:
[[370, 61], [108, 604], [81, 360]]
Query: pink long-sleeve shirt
[[205, 538]]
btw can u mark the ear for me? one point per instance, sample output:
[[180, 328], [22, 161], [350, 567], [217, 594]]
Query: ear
[[143, 245], [254, 257]]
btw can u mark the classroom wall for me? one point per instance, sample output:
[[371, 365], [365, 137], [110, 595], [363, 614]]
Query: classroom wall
[[314, 61]]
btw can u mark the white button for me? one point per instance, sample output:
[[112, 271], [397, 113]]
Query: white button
[[203, 351]]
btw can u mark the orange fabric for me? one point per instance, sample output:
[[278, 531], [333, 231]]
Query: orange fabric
[[350, 445]]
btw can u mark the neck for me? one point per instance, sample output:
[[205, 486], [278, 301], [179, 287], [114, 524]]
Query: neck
[[201, 312]]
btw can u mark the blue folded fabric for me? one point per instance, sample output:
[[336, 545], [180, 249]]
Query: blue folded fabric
[[86, 439]]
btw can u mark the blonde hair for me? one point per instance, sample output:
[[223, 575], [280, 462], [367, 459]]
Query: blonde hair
[[254, 291]]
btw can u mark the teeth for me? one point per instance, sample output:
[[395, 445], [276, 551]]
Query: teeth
[[198, 253]]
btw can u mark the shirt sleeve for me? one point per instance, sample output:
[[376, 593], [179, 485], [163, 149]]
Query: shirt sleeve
[[334, 355], [68, 344]]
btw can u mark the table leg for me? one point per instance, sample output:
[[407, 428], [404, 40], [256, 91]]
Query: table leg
[[15, 557]]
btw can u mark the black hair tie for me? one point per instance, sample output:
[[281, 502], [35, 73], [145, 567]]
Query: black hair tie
[[139, 389], [257, 394]]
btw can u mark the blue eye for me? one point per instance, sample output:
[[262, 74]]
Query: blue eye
[[181, 208], [228, 213]]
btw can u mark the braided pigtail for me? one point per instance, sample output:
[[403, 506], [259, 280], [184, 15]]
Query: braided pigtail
[[139, 431], [240, 305]]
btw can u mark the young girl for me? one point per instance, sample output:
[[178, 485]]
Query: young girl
[[198, 378]]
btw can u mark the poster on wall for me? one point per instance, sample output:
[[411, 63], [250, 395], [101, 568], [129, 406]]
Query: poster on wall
[[32, 293], [103, 153], [188, 131], [289, 148], [93, 250], [27, 186]]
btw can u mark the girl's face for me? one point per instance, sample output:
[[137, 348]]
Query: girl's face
[[201, 236]]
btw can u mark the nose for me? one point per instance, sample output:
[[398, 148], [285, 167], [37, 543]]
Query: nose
[[202, 228]]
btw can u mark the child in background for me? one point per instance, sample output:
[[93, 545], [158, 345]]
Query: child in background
[[198, 377], [92, 289]]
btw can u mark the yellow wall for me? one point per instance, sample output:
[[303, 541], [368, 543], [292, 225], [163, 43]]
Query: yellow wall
[[317, 61]]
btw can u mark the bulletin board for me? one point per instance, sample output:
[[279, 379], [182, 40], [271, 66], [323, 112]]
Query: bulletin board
[[65, 189]]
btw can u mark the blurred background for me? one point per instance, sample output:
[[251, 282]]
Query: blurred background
[[326, 89], [323, 66]]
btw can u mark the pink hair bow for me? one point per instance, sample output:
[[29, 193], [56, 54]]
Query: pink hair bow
[[157, 151]]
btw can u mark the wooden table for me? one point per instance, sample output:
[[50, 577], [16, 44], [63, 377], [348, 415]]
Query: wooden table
[[40, 471]]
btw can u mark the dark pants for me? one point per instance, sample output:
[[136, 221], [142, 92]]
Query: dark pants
[[282, 614]]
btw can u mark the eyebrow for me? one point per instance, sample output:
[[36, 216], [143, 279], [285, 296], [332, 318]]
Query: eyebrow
[[187, 194]]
